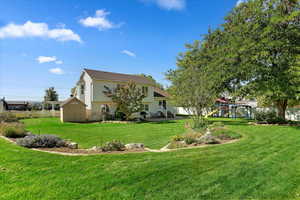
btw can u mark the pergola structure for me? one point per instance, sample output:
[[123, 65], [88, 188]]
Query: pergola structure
[[53, 103]]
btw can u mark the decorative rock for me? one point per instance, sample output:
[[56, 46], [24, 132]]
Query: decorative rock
[[134, 146], [29, 134], [73, 145], [208, 138], [95, 148]]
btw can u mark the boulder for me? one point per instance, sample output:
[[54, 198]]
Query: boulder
[[95, 148], [208, 138], [72, 145], [29, 134], [132, 146]]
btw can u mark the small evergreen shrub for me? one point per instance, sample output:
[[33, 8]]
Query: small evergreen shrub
[[12, 130], [41, 141], [114, 145]]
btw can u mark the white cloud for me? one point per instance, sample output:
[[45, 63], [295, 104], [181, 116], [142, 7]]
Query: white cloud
[[128, 53], [59, 62], [99, 21], [56, 70], [45, 59], [31, 29], [239, 2], [169, 4]]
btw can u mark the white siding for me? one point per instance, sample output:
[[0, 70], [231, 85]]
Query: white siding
[[99, 96]]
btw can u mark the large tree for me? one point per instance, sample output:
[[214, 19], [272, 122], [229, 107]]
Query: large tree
[[262, 50], [128, 98]]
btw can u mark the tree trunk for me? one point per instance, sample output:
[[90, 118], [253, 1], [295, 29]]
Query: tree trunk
[[281, 108]]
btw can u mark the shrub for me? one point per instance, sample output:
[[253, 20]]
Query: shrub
[[12, 130], [269, 117], [191, 136], [119, 116], [177, 138], [190, 140], [114, 145], [177, 144], [41, 141]]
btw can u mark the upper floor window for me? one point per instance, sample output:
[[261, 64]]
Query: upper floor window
[[82, 89], [145, 91]]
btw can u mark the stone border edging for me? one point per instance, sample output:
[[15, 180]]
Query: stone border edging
[[163, 149]]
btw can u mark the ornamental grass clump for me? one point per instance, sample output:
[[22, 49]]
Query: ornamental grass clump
[[12, 130]]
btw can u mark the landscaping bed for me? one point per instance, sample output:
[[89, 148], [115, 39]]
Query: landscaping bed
[[214, 134]]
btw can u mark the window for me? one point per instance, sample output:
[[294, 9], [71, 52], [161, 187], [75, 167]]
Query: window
[[145, 91], [82, 89], [163, 104], [145, 107]]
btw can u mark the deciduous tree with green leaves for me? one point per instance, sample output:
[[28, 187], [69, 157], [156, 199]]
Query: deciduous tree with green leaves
[[194, 87], [263, 47], [128, 98]]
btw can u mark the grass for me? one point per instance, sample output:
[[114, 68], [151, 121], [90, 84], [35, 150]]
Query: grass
[[264, 164], [154, 134]]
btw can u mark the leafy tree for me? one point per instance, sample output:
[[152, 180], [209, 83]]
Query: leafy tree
[[157, 84], [128, 98], [193, 86], [50, 95], [262, 50]]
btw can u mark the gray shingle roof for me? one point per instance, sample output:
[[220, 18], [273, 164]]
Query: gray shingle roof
[[111, 76]]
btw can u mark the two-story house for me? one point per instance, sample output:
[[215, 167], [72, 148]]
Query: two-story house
[[90, 87]]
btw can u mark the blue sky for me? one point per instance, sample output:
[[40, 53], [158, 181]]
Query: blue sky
[[48, 43]]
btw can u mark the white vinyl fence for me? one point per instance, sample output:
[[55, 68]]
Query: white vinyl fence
[[291, 113]]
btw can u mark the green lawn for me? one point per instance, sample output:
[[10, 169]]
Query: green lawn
[[154, 135], [264, 164]]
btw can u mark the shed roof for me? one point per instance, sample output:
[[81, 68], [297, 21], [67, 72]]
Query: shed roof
[[69, 100]]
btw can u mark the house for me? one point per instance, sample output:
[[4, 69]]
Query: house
[[91, 84], [13, 105]]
